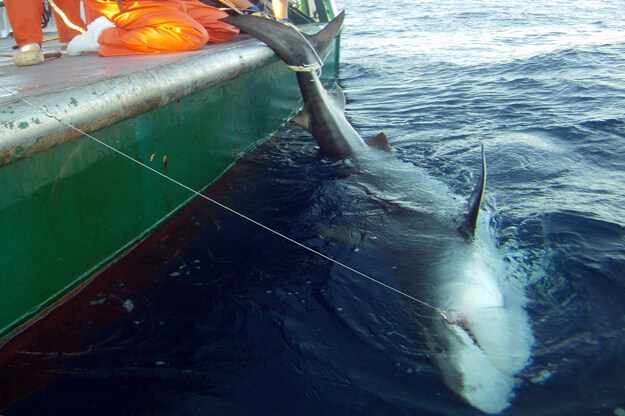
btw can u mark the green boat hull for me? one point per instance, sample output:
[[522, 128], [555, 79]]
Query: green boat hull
[[73, 207]]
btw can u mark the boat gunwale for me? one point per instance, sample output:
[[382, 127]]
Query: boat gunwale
[[87, 107]]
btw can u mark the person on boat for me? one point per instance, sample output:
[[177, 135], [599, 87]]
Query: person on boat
[[152, 26], [280, 10], [25, 18]]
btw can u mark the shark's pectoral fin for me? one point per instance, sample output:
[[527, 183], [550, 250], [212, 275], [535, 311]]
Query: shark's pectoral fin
[[342, 233], [349, 235], [379, 142], [302, 119], [467, 228]]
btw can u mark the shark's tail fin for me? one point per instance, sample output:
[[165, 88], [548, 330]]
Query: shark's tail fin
[[322, 39], [467, 228], [286, 41]]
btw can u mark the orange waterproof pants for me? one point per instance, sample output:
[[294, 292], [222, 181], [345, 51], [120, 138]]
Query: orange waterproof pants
[[159, 26], [25, 17]]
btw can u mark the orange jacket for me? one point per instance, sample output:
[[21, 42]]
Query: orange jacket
[[158, 26], [25, 17]]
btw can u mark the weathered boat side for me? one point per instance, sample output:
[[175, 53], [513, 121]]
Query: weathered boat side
[[69, 205]]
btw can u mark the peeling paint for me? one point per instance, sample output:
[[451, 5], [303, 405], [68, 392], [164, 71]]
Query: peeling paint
[[73, 101], [23, 125]]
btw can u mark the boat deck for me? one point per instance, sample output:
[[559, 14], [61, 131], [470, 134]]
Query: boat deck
[[93, 92], [74, 71]]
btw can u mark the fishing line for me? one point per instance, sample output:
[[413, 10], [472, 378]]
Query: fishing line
[[44, 110]]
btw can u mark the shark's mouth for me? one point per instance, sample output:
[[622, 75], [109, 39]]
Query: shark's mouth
[[457, 320], [463, 325]]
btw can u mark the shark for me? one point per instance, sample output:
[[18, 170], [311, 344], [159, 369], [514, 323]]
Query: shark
[[323, 114], [481, 338]]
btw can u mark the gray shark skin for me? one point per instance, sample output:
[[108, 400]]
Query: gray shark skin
[[322, 116], [484, 339], [408, 222]]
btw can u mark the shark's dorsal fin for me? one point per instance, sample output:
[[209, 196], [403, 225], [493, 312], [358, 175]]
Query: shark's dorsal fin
[[467, 228], [379, 142]]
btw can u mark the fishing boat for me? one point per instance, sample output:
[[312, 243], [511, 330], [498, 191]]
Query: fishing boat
[[96, 153]]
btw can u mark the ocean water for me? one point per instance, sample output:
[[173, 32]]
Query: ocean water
[[238, 321]]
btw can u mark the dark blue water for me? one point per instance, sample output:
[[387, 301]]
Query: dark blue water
[[240, 322]]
